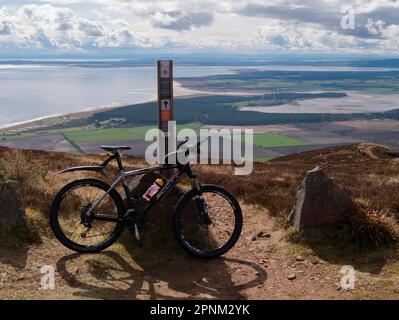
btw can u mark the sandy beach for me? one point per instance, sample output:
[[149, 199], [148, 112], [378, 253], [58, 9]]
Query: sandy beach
[[179, 91]]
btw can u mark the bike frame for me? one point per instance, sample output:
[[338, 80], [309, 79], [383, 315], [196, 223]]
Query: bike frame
[[131, 210]]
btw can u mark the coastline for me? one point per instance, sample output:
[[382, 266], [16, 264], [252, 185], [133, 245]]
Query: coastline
[[179, 88], [87, 112], [69, 115]]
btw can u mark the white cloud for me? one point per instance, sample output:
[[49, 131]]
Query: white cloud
[[277, 35], [177, 20], [47, 26], [192, 24], [91, 28]]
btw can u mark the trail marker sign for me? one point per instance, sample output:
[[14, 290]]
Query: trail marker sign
[[165, 104], [165, 96]]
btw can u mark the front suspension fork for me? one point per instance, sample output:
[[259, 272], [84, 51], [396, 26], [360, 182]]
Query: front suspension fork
[[202, 207]]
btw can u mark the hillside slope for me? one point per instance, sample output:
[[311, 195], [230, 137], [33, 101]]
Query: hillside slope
[[258, 267]]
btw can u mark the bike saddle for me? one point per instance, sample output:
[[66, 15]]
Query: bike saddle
[[114, 149]]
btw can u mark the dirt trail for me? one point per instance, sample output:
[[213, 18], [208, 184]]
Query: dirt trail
[[256, 268]]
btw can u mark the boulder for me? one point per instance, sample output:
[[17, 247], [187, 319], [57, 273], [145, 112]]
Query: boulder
[[12, 210], [319, 201]]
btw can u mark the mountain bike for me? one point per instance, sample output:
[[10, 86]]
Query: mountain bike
[[89, 215]]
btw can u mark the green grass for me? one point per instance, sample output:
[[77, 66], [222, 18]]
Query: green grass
[[102, 135], [73, 143], [271, 140], [116, 134], [301, 82], [16, 137], [263, 158]]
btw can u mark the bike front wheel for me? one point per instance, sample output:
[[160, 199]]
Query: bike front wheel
[[208, 223], [71, 224]]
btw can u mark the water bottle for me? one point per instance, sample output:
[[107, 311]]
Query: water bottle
[[153, 190]]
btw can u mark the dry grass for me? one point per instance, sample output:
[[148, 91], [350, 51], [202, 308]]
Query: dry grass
[[19, 166], [32, 177], [35, 173], [274, 184], [364, 171], [371, 228], [35, 190], [364, 229]]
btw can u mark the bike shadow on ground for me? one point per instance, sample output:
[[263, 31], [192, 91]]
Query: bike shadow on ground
[[160, 269], [139, 273]]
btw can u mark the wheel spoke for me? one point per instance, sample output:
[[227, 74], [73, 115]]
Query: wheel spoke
[[215, 237], [72, 211]]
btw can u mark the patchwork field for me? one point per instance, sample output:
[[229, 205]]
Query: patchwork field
[[116, 134], [270, 141], [382, 81], [48, 142], [90, 141]]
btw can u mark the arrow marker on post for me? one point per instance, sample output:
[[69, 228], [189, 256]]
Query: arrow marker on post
[[165, 104]]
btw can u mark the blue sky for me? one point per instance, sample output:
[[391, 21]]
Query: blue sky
[[112, 26]]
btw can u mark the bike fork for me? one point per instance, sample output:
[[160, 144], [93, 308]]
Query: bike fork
[[200, 201]]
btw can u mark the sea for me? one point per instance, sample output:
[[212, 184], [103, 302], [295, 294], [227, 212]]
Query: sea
[[35, 91], [30, 92]]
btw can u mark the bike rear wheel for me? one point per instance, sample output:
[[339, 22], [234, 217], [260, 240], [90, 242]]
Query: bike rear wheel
[[203, 237], [69, 221]]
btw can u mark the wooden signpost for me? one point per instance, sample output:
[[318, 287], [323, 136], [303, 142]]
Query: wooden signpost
[[165, 94], [165, 97]]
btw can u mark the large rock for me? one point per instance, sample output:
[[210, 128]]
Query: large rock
[[12, 210], [319, 201]]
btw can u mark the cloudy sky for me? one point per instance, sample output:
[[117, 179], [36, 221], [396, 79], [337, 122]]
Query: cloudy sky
[[95, 26]]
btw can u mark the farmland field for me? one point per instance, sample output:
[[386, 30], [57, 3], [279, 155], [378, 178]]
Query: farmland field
[[271, 140], [15, 137], [116, 134], [107, 135], [290, 111], [382, 81]]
